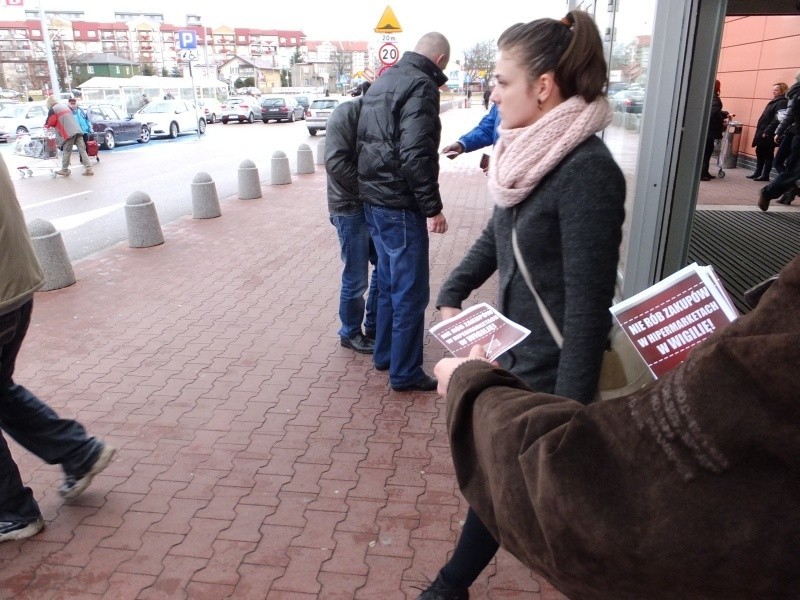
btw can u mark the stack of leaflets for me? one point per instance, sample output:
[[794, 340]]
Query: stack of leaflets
[[480, 324], [665, 321]]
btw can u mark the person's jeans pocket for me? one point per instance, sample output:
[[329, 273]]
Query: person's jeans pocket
[[391, 224]]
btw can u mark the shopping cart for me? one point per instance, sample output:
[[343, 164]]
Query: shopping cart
[[723, 146], [42, 151]]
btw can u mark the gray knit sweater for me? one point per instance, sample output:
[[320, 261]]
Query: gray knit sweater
[[569, 231]]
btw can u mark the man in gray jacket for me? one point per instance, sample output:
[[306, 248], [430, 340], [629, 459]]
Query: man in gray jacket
[[347, 215], [33, 424]]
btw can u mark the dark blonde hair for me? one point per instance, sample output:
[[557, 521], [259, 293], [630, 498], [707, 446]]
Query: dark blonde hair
[[783, 87], [571, 48]]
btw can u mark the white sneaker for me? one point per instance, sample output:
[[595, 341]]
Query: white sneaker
[[10, 531], [72, 487]]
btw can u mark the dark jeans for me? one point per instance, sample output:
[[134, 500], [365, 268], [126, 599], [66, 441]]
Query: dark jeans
[[474, 551], [34, 426], [401, 240], [708, 151], [357, 252], [785, 181]]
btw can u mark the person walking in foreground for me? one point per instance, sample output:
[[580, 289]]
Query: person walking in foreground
[[347, 214], [559, 192], [398, 170], [716, 125], [764, 136], [61, 118], [33, 424], [785, 183], [686, 489]]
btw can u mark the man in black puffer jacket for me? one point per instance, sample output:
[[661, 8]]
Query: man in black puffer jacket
[[398, 171]]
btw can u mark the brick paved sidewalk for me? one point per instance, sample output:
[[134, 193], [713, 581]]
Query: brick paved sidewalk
[[257, 458]]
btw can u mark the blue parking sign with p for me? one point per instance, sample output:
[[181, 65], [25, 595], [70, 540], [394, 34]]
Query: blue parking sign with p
[[187, 40]]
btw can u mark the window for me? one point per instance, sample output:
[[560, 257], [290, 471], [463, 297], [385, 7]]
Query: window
[[92, 34], [116, 70], [90, 69]]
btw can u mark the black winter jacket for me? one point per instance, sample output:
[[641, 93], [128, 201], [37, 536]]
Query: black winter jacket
[[768, 122], [792, 119], [398, 137], [340, 159]]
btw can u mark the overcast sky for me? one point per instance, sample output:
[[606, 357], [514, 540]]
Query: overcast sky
[[465, 23]]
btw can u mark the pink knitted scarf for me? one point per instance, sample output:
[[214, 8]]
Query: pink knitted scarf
[[523, 156]]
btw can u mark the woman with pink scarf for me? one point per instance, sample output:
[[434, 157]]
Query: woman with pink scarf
[[554, 182]]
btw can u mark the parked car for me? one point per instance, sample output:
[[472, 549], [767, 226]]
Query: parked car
[[212, 109], [319, 111], [110, 127], [241, 109], [20, 119], [303, 101], [628, 101], [281, 108], [171, 117]]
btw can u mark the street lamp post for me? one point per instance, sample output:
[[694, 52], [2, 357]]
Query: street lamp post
[[51, 65]]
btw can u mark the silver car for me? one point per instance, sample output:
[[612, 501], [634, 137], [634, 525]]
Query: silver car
[[319, 111]]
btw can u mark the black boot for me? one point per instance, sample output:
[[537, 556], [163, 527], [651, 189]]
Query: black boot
[[757, 173], [439, 590]]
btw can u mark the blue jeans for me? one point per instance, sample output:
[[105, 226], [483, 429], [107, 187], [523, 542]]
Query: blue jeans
[[401, 239], [35, 427], [357, 251]]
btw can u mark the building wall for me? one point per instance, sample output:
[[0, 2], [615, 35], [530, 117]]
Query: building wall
[[757, 52]]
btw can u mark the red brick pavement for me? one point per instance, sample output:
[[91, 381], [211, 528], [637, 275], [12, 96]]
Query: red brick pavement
[[257, 458]]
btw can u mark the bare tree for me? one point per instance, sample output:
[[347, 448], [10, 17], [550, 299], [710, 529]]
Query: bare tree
[[479, 61]]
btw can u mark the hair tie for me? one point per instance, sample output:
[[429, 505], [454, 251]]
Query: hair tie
[[568, 20]]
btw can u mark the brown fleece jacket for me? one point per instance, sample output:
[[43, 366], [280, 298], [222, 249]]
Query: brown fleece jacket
[[688, 489]]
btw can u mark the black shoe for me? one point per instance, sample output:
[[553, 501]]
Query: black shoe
[[425, 384], [439, 590], [369, 334], [763, 201], [753, 175], [706, 177], [358, 343], [72, 486], [381, 367], [762, 178], [11, 531]]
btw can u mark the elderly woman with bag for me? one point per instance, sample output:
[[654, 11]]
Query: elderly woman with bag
[[556, 187], [764, 136]]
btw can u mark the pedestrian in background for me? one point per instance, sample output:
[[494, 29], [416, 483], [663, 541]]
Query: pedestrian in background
[[82, 118], [398, 179], [785, 183], [764, 136], [33, 424], [346, 212], [559, 193], [60, 118], [716, 122]]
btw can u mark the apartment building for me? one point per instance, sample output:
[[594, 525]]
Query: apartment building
[[146, 44]]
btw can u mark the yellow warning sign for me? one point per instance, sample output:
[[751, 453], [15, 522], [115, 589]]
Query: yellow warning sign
[[388, 23]]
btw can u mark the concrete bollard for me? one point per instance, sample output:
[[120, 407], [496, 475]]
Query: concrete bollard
[[280, 169], [321, 152], [52, 254], [144, 229], [305, 160], [249, 181], [205, 202]]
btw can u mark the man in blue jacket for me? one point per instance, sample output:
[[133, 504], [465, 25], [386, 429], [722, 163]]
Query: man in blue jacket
[[484, 134], [398, 171]]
